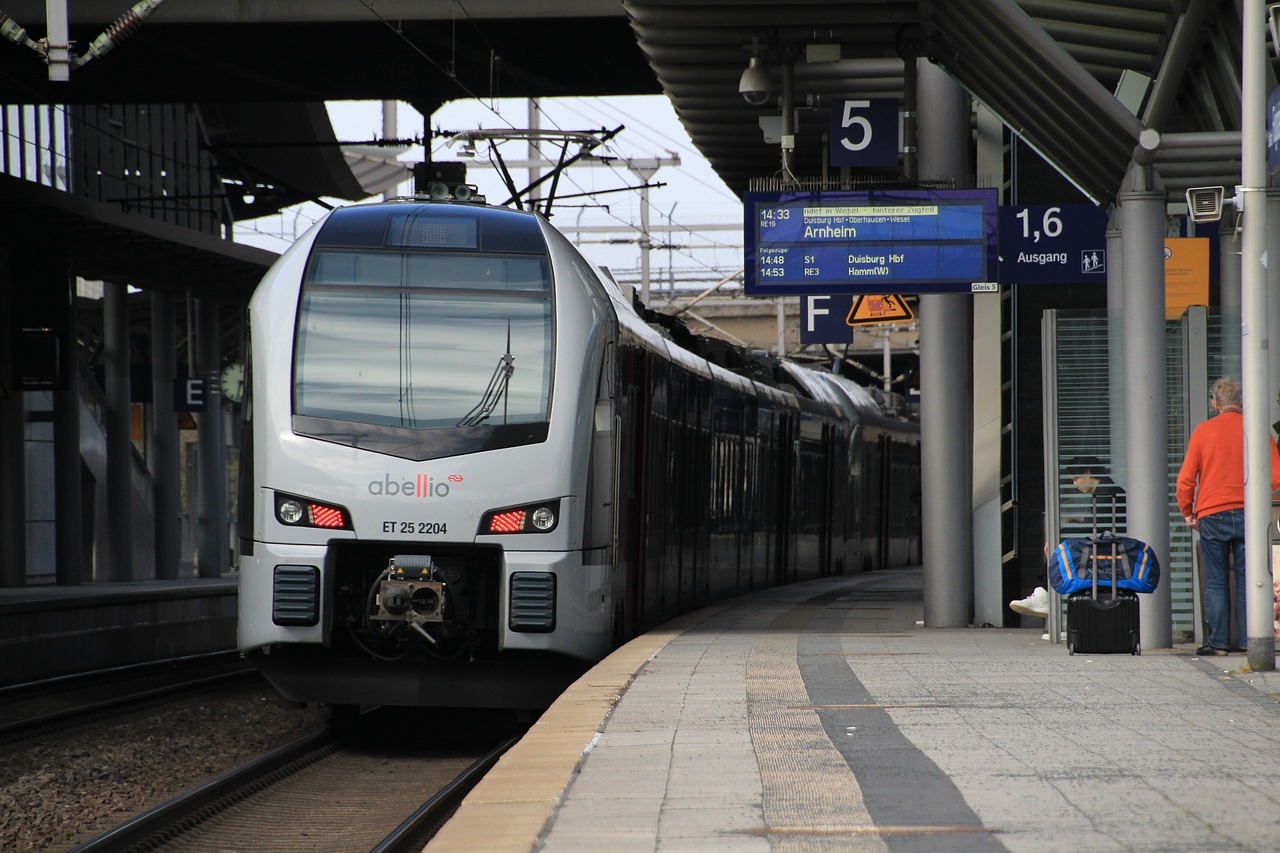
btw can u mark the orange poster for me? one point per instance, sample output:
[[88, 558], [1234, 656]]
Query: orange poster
[[1186, 274]]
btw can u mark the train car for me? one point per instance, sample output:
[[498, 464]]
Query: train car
[[471, 465]]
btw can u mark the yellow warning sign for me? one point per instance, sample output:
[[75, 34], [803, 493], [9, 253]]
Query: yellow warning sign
[[868, 309]]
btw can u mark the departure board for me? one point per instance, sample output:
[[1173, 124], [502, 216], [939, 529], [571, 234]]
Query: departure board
[[890, 241]]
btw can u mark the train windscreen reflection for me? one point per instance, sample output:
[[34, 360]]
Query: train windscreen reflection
[[420, 358]]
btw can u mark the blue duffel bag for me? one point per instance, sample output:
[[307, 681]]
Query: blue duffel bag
[[1128, 563]]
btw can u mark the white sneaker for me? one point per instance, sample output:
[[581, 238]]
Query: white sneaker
[[1035, 604]]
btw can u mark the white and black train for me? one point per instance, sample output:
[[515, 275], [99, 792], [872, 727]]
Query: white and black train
[[471, 466]]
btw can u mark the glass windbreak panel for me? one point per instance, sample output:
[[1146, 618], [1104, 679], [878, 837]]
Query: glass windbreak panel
[[1090, 497], [423, 359], [1089, 420], [1223, 353]]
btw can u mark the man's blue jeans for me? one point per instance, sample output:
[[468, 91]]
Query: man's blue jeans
[[1220, 534]]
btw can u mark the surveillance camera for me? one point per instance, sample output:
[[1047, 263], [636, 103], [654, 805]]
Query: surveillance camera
[[756, 85], [1205, 203]]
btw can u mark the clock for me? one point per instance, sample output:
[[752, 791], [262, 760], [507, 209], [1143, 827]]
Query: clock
[[231, 381]]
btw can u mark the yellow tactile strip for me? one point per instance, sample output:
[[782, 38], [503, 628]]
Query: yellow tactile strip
[[806, 780], [510, 806]]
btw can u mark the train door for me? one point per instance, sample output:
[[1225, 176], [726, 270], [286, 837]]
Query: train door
[[632, 417], [763, 522], [702, 462], [744, 520], [827, 520], [657, 568], [882, 501], [784, 530], [675, 487]]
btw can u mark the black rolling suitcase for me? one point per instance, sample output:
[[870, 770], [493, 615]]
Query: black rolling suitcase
[[1098, 625], [1104, 625]]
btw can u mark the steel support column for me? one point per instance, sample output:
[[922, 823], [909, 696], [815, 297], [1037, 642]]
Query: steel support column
[[946, 376], [1146, 418], [1254, 338], [1115, 347]]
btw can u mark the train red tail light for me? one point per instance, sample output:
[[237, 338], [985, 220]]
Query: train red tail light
[[303, 512], [511, 521], [326, 516], [531, 518]]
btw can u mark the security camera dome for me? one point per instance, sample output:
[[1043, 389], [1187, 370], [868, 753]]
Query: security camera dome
[[756, 85]]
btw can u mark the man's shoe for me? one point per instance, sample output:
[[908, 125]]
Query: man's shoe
[[1208, 651], [1035, 604]]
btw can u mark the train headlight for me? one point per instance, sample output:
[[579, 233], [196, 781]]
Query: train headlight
[[540, 517], [303, 512], [290, 511]]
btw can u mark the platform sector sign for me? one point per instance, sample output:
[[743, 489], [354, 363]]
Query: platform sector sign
[[879, 241], [1053, 244]]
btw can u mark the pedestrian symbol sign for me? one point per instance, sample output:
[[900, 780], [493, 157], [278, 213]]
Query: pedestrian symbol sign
[[868, 309]]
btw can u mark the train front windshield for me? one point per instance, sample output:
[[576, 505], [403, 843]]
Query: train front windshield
[[399, 338]]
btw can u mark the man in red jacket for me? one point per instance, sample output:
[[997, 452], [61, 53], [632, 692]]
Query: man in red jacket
[[1211, 498]]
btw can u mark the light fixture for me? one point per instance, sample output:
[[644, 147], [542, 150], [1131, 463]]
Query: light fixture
[[756, 85]]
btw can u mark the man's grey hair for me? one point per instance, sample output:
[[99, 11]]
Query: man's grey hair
[[1226, 392]]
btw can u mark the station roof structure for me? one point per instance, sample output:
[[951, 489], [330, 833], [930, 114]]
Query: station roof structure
[[1048, 68]]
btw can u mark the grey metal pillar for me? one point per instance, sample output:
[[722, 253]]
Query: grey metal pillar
[[212, 514], [13, 480], [1146, 418], [164, 438], [1115, 348], [990, 604], [1255, 337], [119, 443], [946, 376], [1229, 288]]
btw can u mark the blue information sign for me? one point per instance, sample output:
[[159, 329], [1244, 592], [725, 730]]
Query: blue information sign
[[887, 241], [864, 132], [1043, 244]]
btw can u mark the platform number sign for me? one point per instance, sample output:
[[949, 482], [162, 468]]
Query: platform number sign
[[864, 132], [1053, 244]]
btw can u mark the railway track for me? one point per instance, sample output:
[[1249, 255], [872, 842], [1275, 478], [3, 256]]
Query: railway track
[[34, 709], [364, 786]]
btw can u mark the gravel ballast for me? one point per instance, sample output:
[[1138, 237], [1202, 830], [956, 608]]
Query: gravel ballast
[[64, 790]]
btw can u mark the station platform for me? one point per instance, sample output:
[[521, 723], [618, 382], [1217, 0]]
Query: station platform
[[824, 716], [48, 631]]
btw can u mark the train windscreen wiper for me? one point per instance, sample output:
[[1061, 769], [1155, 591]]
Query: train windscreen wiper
[[496, 390]]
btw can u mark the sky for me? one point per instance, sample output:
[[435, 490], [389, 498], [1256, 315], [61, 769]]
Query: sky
[[693, 194]]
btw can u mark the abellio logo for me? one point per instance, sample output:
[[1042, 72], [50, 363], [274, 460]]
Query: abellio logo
[[423, 486]]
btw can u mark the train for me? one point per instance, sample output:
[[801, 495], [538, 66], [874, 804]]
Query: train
[[472, 464]]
